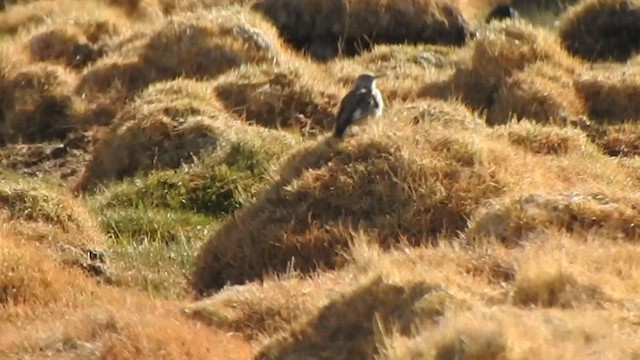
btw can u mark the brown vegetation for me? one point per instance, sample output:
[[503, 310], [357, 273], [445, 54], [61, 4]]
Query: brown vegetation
[[441, 230], [326, 29], [513, 63], [540, 93], [38, 105], [280, 98], [598, 30], [609, 96], [164, 127], [372, 184], [512, 220]]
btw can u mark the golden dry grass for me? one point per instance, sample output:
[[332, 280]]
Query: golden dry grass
[[602, 29], [326, 29], [226, 224]]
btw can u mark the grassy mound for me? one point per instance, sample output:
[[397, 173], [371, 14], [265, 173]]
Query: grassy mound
[[218, 183], [492, 335], [349, 323], [609, 95], [325, 29], [204, 46], [195, 46], [598, 30], [327, 191], [512, 220], [540, 93], [340, 314], [30, 281], [618, 140], [122, 326], [46, 214], [546, 140], [404, 67], [155, 132], [38, 105], [287, 98], [74, 45], [500, 52]]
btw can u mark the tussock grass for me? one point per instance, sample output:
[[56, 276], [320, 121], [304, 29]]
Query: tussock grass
[[31, 282], [547, 140], [490, 77], [167, 126], [540, 93], [512, 220], [287, 97], [608, 95], [326, 29], [373, 184], [599, 30], [123, 326], [618, 140], [428, 234], [38, 105]]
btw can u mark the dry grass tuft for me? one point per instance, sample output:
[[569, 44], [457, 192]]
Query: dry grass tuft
[[500, 52], [602, 29], [618, 140], [411, 184], [261, 311], [75, 45], [325, 29], [48, 215], [346, 327], [170, 337], [609, 95], [198, 46], [281, 98], [546, 140], [512, 220], [122, 326], [540, 93], [38, 105], [31, 281], [201, 46], [165, 126], [107, 85], [553, 288]]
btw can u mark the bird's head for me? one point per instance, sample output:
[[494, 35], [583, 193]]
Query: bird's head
[[367, 80]]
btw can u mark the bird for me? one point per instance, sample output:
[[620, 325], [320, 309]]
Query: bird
[[502, 12], [363, 101]]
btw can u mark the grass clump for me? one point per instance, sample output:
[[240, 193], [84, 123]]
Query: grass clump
[[195, 45], [609, 95], [349, 323], [38, 105], [599, 30], [618, 139], [281, 98], [32, 281], [217, 184], [156, 134], [326, 191], [172, 123], [204, 46], [326, 29], [74, 45], [500, 52], [540, 93], [512, 220], [546, 140]]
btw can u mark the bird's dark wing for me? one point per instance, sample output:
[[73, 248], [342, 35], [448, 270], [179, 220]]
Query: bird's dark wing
[[348, 112]]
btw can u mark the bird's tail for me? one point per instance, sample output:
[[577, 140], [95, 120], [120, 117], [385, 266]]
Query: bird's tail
[[338, 131]]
